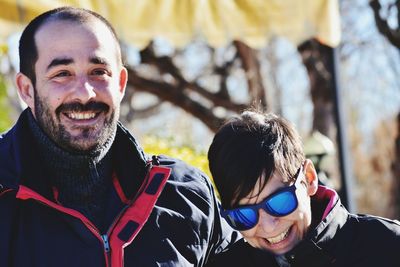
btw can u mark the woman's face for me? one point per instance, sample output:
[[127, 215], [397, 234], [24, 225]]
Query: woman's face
[[280, 234]]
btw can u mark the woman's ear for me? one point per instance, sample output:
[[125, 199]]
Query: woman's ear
[[25, 90], [311, 177]]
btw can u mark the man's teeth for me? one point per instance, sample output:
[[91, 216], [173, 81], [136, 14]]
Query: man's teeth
[[279, 237], [81, 116]]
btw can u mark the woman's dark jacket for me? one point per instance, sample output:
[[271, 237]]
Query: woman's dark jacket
[[339, 239], [167, 212]]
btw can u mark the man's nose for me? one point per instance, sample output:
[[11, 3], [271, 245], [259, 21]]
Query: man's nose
[[84, 90], [267, 222]]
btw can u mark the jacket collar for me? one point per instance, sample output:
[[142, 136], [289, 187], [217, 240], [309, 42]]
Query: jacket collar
[[19, 164], [315, 249]]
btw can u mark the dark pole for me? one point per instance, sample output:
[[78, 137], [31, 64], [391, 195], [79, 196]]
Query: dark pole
[[346, 191]]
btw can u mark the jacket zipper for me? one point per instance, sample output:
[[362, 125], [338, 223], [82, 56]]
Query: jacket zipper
[[87, 223], [103, 237], [106, 243], [107, 248]]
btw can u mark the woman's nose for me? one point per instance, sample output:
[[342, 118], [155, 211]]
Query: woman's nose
[[266, 222]]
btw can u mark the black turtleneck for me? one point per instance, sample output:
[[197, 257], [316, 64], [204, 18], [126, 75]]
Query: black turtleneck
[[83, 180]]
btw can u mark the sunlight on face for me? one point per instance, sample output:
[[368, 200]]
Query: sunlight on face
[[278, 234], [80, 83]]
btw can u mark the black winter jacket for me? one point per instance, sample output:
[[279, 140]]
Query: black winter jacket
[[168, 213], [340, 239]]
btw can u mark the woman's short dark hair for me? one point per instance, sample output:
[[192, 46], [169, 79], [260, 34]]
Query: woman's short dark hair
[[249, 146], [28, 53]]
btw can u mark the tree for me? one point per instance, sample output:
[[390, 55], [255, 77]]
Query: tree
[[393, 36], [317, 59], [169, 84]]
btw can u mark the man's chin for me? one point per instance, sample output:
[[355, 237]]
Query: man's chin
[[87, 142], [80, 146], [85, 139]]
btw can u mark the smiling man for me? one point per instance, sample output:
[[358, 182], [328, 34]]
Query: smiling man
[[76, 85], [270, 193], [75, 187]]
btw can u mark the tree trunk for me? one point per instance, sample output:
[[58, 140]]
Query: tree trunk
[[396, 169], [317, 58], [393, 36], [251, 66]]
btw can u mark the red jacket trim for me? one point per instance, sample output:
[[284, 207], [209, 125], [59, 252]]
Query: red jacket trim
[[130, 223], [137, 214], [25, 193], [119, 190]]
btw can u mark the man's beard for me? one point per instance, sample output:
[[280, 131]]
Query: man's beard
[[89, 139]]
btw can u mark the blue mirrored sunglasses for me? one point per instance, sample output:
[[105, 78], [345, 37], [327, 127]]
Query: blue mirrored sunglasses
[[278, 204]]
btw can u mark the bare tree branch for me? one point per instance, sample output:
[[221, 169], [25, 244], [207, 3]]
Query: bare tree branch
[[393, 35], [251, 67], [176, 96], [317, 60], [165, 65], [181, 92]]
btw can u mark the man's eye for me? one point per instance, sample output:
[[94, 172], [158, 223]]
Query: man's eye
[[62, 74], [99, 72]]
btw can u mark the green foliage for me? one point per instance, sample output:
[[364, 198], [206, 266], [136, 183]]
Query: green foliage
[[155, 145], [5, 119]]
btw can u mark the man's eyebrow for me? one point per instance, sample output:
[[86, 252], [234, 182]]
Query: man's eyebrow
[[98, 60], [60, 61]]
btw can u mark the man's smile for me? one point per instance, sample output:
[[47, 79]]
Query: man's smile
[[81, 115]]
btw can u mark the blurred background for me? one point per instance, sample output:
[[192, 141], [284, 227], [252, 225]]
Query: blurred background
[[329, 66]]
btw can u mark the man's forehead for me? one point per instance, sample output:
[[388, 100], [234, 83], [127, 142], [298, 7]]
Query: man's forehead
[[62, 25], [57, 38]]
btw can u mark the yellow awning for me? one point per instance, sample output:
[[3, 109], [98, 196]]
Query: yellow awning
[[179, 21]]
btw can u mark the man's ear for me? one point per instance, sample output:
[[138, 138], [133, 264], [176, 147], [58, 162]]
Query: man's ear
[[123, 79], [25, 90], [311, 177]]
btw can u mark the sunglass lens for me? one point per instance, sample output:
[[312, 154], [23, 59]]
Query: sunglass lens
[[282, 204], [242, 219]]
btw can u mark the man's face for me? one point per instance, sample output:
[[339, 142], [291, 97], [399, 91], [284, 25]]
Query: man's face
[[280, 234], [79, 83]]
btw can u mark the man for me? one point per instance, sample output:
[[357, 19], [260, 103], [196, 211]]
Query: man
[[75, 187], [270, 193]]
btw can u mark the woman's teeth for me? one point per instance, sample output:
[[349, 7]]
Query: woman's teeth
[[278, 238]]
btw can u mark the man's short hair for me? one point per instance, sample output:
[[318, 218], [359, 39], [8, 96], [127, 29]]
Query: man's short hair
[[28, 52], [249, 146]]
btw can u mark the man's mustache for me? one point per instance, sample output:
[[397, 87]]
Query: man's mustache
[[79, 107]]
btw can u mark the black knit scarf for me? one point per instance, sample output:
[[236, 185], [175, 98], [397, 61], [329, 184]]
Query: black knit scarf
[[82, 180]]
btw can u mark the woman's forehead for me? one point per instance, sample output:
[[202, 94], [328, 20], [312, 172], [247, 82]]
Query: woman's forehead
[[263, 188]]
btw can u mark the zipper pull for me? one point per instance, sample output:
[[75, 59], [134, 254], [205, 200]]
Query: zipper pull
[[106, 243], [155, 160]]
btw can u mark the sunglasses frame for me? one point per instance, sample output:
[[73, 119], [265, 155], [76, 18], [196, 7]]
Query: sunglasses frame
[[264, 205]]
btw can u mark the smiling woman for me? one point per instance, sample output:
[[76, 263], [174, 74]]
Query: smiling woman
[[286, 218], [280, 203]]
